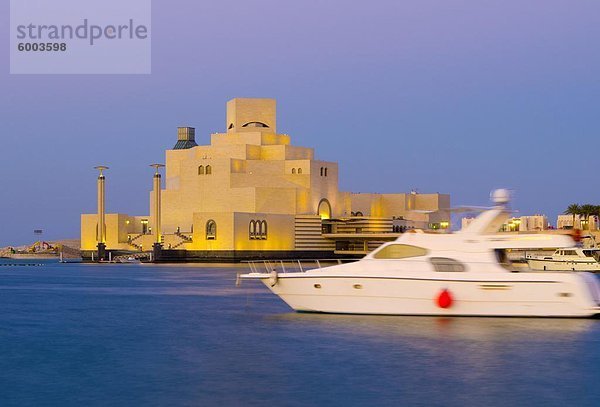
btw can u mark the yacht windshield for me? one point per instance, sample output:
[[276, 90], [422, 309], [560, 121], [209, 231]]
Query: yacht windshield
[[592, 253], [399, 251]]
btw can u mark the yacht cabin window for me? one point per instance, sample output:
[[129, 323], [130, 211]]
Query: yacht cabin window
[[399, 251], [445, 264]]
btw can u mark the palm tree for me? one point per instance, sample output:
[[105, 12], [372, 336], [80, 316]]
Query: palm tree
[[573, 209], [587, 210]]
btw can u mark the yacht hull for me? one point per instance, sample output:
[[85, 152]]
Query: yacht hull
[[514, 294], [563, 265]]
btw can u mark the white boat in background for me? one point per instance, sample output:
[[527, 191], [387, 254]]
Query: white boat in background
[[570, 259], [464, 273]]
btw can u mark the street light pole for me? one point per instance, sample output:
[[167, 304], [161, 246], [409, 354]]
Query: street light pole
[[156, 215], [101, 235]]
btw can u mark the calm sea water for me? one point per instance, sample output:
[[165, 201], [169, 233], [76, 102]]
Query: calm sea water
[[128, 335]]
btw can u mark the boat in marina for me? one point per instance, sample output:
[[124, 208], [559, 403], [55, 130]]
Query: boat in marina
[[466, 273], [570, 259], [127, 259]]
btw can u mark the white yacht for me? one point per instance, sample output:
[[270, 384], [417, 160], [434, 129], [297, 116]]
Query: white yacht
[[464, 273], [569, 259]]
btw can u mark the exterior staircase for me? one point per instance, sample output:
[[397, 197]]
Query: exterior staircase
[[184, 239], [69, 252], [131, 242]]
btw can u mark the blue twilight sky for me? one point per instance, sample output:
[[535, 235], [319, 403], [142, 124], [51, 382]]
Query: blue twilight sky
[[443, 96]]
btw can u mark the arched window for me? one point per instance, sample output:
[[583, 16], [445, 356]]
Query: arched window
[[321, 171], [208, 170], [201, 170], [293, 170], [255, 124], [211, 230], [324, 209], [359, 213], [263, 230], [257, 229], [230, 126], [299, 170], [325, 171]]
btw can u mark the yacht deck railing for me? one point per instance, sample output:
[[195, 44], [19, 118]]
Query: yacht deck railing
[[292, 266]]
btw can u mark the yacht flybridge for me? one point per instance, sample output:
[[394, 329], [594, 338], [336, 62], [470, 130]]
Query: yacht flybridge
[[464, 273]]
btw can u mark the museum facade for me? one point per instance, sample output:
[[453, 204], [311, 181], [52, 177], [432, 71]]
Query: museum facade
[[251, 193]]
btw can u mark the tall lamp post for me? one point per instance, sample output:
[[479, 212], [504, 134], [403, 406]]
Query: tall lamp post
[[101, 212], [157, 247]]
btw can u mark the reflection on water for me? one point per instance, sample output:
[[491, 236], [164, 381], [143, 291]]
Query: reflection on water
[[185, 335], [133, 290], [462, 328]]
